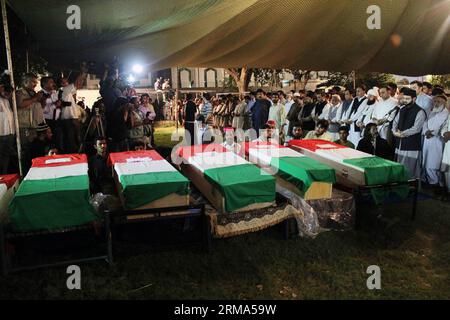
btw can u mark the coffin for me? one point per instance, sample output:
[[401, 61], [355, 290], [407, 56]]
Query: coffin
[[54, 194], [145, 180], [304, 176], [228, 181], [353, 168], [8, 186]]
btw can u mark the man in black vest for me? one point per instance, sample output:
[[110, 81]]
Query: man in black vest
[[306, 116], [407, 128], [353, 113], [189, 119], [320, 105]]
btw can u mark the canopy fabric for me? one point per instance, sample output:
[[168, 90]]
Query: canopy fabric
[[302, 34]]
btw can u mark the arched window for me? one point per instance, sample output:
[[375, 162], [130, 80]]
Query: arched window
[[184, 77], [210, 76]]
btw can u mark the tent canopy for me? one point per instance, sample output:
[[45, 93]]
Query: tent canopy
[[301, 34]]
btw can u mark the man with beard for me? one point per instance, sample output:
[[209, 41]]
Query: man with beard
[[445, 167], [322, 101], [407, 128], [423, 91], [366, 115], [30, 114], [433, 143], [321, 132], [294, 113], [306, 115], [260, 111], [372, 143]]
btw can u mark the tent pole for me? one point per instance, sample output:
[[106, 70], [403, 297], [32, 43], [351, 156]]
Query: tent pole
[[10, 69], [354, 80], [26, 51], [176, 99]]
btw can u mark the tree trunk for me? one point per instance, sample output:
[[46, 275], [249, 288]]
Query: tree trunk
[[241, 77]]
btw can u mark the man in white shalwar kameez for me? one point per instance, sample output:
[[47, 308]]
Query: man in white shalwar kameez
[[433, 143], [381, 111], [276, 112], [366, 115], [445, 134], [353, 113]]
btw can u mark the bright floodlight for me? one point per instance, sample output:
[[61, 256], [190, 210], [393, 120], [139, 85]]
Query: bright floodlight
[[137, 68], [131, 79]]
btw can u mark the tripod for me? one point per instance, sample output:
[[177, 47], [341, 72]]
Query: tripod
[[96, 120]]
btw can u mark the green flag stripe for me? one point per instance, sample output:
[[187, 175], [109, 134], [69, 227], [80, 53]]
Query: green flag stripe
[[51, 204], [381, 171], [242, 185], [303, 171], [140, 189]]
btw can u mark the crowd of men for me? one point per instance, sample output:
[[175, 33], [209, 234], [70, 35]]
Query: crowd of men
[[52, 122], [410, 125]]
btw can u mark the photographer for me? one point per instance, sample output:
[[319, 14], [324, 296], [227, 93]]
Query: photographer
[[136, 122], [70, 116], [52, 109], [7, 130], [148, 115], [120, 122], [30, 114]]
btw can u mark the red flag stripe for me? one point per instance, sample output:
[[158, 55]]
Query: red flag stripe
[[52, 161], [122, 157]]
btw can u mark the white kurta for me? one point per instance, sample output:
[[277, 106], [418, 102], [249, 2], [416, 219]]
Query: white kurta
[[446, 153], [381, 112], [366, 114], [238, 119], [433, 147], [354, 136], [276, 113]]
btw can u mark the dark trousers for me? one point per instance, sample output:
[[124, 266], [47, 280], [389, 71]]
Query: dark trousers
[[71, 133], [6, 152], [57, 131], [27, 135], [189, 127]]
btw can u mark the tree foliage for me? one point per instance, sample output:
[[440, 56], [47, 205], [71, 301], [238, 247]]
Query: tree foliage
[[441, 80], [371, 79]]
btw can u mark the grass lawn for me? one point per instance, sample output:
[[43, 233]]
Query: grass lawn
[[164, 135], [414, 258]]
